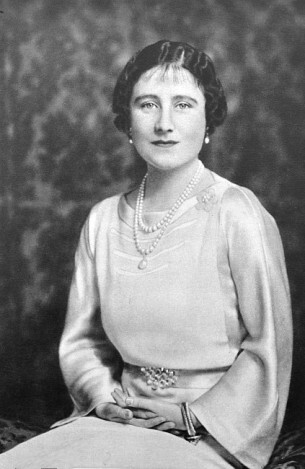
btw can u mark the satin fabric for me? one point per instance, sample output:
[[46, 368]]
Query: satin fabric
[[91, 443], [213, 299]]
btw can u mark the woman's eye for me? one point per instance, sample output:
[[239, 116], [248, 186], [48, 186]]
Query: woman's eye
[[183, 105], [148, 105]]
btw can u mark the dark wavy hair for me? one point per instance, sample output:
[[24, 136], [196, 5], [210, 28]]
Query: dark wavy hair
[[166, 53]]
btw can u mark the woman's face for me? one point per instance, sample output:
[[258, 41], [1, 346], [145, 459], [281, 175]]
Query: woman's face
[[167, 110]]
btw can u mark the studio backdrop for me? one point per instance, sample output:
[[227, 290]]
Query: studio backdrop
[[60, 153]]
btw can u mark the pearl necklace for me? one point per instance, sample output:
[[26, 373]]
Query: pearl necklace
[[164, 222]]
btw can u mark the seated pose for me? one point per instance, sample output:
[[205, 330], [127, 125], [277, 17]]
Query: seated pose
[[177, 344]]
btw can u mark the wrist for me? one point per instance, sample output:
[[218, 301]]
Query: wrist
[[186, 416], [194, 419], [190, 420]]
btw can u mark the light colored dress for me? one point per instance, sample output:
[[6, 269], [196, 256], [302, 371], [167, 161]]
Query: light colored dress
[[213, 304]]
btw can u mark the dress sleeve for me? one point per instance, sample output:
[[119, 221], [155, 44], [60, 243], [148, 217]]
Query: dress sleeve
[[89, 362], [245, 409]]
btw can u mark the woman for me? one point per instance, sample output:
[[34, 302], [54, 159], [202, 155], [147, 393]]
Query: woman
[[179, 311]]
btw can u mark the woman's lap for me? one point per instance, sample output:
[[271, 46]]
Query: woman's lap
[[90, 442]]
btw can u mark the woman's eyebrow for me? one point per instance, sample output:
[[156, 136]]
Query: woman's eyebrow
[[175, 98], [189, 98], [145, 96]]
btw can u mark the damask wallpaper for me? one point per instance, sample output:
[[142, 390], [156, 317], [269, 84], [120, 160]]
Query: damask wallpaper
[[60, 153]]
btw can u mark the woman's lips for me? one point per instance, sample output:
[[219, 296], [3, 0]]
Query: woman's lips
[[164, 143]]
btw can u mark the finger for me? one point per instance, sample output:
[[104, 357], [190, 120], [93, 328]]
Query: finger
[[124, 414], [147, 423], [143, 414], [123, 397], [120, 393], [141, 403], [164, 427], [114, 412], [118, 398]]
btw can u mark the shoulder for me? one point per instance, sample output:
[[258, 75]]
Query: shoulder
[[242, 213], [100, 215], [238, 205], [239, 201], [103, 213], [105, 207]]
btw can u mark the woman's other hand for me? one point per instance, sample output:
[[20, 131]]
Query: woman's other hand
[[145, 419], [146, 408], [113, 412]]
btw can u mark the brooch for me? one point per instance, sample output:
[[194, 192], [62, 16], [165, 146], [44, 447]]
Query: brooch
[[206, 200], [159, 377]]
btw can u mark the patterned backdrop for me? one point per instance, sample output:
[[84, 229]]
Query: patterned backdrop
[[60, 153]]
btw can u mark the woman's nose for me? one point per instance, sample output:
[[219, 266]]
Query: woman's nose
[[164, 122]]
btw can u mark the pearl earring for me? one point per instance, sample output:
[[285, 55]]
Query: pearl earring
[[206, 138], [130, 136]]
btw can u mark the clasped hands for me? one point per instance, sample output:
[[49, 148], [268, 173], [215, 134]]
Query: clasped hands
[[143, 412]]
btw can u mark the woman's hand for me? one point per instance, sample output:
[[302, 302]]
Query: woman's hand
[[145, 419], [113, 412], [143, 406]]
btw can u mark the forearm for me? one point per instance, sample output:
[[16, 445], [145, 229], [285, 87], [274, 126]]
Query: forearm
[[91, 370]]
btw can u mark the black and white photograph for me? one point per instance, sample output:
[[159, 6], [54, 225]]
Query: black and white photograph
[[152, 234]]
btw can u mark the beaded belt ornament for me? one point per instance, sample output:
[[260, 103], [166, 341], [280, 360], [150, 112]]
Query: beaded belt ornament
[[159, 377]]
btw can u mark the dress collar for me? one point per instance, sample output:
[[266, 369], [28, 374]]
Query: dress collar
[[126, 212]]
